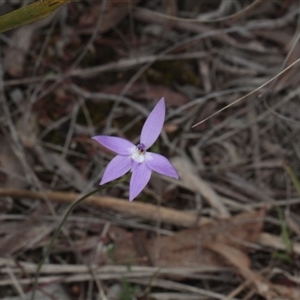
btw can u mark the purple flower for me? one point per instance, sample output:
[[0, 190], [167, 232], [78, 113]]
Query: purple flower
[[136, 157]]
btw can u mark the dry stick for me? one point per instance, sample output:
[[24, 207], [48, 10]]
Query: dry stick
[[143, 210], [242, 98], [109, 67], [115, 271], [72, 206]]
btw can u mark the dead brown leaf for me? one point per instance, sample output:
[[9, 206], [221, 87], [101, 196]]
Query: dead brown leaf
[[241, 263], [187, 248], [127, 250]]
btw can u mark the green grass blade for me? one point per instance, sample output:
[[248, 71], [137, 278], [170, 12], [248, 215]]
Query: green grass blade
[[285, 232], [29, 13], [293, 177]]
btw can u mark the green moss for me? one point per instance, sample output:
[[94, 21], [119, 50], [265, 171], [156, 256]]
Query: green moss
[[128, 290]]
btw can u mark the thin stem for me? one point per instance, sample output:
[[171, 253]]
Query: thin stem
[[57, 231]]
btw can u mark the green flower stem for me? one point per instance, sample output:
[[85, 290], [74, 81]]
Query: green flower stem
[[64, 219]]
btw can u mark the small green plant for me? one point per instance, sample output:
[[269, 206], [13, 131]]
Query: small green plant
[[128, 290], [293, 177], [285, 233], [110, 251], [286, 236]]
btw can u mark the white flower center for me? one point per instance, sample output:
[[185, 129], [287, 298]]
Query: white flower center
[[138, 157], [138, 153]]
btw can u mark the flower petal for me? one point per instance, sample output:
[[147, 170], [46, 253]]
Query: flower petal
[[160, 164], [117, 167], [139, 178], [153, 124], [116, 144], [134, 165]]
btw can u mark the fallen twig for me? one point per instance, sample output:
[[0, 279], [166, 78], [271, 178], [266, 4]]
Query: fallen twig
[[143, 210]]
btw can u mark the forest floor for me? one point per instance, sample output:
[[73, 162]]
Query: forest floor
[[229, 228]]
